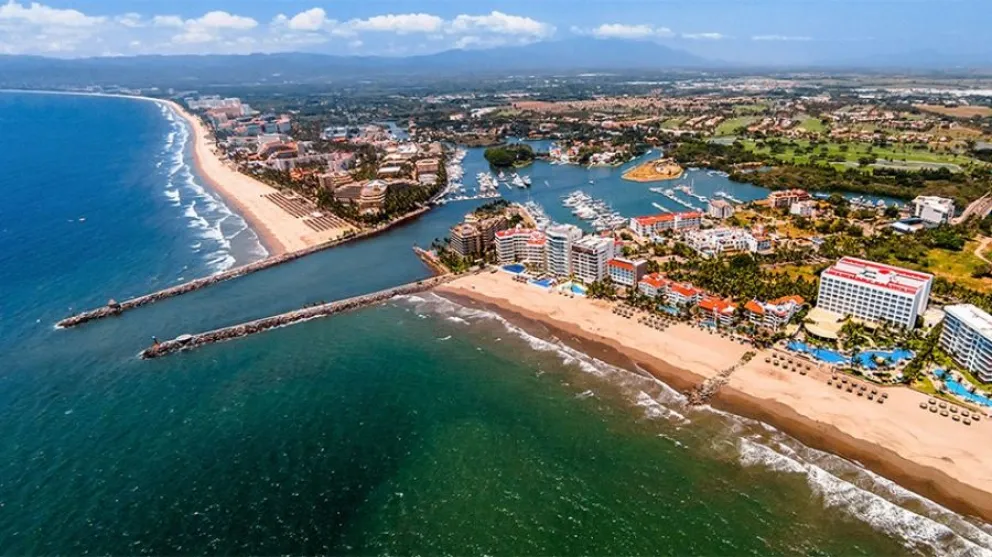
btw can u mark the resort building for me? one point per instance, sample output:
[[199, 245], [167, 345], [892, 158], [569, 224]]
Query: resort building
[[683, 294], [522, 244], [967, 337], [589, 257], [933, 209], [334, 180], [560, 240], [773, 314], [626, 272], [785, 198], [720, 209], [372, 197], [656, 224], [719, 310], [465, 240], [803, 208], [713, 242], [874, 292], [653, 285]]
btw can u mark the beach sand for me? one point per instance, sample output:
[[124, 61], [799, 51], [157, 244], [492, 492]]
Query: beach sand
[[654, 171], [931, 455], [280, 231]]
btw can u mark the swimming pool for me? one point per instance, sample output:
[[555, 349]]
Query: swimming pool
[[958, 389], [822, 354], [543, 283], [577, 289], [867, 358], [669, 309], [514, 268]]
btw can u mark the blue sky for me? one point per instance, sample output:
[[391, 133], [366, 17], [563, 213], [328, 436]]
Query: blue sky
[[751, 31]]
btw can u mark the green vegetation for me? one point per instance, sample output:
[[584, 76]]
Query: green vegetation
[[505, 156], [813, 125], [740, 277], [804, 152], [730, 126]]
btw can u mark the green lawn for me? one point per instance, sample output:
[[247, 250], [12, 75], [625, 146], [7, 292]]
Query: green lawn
[[673, 123], [851, 152], [751, 108], [812, 125], [728, 126]]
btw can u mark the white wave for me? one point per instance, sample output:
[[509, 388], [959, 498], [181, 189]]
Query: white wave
[[457, 319], [915, 530], [585, 394], [655, 409], [173, 196]]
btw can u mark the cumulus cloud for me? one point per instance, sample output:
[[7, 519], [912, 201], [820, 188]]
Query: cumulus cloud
[[703, 36], [779, 38], [309, 20], [39, 14], [622, 31], [502, 24], [398, 23]]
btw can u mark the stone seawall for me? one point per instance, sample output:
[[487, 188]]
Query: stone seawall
[[187, 342], [116, 308]]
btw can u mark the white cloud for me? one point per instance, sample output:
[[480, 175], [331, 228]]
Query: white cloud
[[501, 23], [310, 20], [222, 20], [398, 23], [622, 31], [703, 36], [167, 21], [41, 15], [130, 20], [779, 38]]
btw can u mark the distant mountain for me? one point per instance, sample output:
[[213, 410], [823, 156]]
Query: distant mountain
[[579, 54], [919, 60]]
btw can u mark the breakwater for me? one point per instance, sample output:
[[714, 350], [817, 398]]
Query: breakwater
[[188, 342], [114, 308]]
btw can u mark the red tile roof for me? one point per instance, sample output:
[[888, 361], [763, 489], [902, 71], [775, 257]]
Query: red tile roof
[[754, 307], [655, 280], [621, 264], [686, 290], [664, 217], [712, 303]]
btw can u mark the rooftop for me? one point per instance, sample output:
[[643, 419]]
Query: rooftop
[[880, 275], [973, 317], [652, 219]]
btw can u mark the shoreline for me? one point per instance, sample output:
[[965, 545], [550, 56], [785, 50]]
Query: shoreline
[[927, 478], [646, 172]]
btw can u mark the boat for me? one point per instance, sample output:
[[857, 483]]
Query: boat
[[661, 208], [526, 180]]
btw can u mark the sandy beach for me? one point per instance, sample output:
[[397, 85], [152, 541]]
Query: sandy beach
[[656, 170], [280, 231], [931, 455]]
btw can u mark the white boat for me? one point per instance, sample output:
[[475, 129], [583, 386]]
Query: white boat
[[526, 180]]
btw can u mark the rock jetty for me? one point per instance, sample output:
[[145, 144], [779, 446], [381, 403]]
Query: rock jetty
[[188, 342], [114, 308]]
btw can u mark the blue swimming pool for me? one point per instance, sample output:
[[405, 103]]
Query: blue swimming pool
[[867, 358], [543, 283], [514, 268], [709, 323], [822, 354], [577, 289], [958, 389], [669, 309]]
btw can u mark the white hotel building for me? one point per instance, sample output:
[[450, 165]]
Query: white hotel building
[[559, 248], [522, 244], [874, 292], [967, 337], [590, 256], [649, 226], [626, 272]]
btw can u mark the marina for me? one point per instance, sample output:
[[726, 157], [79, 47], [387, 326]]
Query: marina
[[596, 211]]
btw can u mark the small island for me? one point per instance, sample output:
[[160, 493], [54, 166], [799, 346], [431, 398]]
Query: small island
[[654, 171], [505, 156]]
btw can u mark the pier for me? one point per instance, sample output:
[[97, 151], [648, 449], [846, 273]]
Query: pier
[[188, 342], [114, 308]]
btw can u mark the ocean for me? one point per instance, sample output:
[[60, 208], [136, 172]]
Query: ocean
[[419, 426]]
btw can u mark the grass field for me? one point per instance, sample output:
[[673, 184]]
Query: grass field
[[728, 126], [812, 125], [796, 271], [955, 266], [673, 123], [957, 111], [836, 152], [751, 108]]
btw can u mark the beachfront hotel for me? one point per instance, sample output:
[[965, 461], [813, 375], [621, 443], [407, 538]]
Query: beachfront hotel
[[524, 245], [775, 313], [719, 310], [874, 292], [653, 285], [683, 294], [560, 240], [713, 242], [967, 337], [626, 272], [654, 225], [589, 257]]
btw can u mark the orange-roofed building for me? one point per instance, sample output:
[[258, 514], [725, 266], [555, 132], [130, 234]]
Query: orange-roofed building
[[773, 314], [683, 294], [720, 310], [653, 285], [654, 225], [626, 272]]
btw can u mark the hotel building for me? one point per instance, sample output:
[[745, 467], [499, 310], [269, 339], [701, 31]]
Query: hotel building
[[715, 241], [967, 337], [683, 294], [718, 309], [933, 209], [785, 198], [874, 292], [522, 244], [773, 314], [560, 240], [656, 224], [626, 272], [589, 257], [720, 209], [653, 285]]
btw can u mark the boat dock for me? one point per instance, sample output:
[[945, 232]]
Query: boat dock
[[114, 308], [188, 342]]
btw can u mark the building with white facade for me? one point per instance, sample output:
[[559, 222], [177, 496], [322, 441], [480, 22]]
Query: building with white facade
[[874, 292], [720, 209], [656, 224], [803, 208], [559, 248], [590, 256], [785, 198], [967, 337], [933, 209], [626, 272], [715, 241], [719, 310], [653, 285], [775, 313], [683, 294]]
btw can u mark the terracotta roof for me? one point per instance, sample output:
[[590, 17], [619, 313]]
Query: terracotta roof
[[712, 303], [620, 263], [686, 290], [798, 300], [664, 217], [655, 280], [754, 307]]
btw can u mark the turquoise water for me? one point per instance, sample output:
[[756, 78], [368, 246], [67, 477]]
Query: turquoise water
[[958, 389], [865, 359], [417, 426], [543, 283], [822, 354], [514, 268]]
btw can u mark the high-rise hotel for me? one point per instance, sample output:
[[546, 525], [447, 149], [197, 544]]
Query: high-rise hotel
[[967, 337], [874, 292]]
